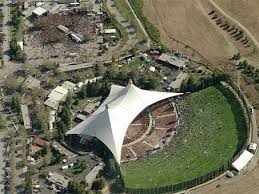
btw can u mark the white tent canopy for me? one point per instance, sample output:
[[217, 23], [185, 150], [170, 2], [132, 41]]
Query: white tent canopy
[[109, 123], [242, 160]]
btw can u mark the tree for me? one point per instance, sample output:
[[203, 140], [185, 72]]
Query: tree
[[28, 183], [98, 184], [82, 93], [2, 122], [83, 165], [15, 104], [66, 116], [75, 187], [99, 70], [112, 73]]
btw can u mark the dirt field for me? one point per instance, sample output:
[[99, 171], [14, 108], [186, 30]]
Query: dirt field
[[186, 26], [244, 184]]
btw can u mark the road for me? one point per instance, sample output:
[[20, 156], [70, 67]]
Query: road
[[9, 66], [132, 40], [140, 25]]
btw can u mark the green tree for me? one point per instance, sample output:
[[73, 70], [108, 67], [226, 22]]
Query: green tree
[[82, 94], [99, 70], [83, 165], [15, 103], [98, 184], [75, 187]]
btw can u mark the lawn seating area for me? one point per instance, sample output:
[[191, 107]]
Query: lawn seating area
[[207, 138]]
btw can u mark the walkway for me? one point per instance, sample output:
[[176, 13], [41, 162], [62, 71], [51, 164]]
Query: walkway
[[9, 66], [140, 25], [132, 40]]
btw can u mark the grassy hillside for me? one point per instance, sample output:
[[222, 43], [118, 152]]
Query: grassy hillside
[[207, 140]]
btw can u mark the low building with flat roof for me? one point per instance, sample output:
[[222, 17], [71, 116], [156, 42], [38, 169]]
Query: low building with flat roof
[[26, 116], [172, 61], [69, 85], [74, 67], [58, 180], [39, 11], [63, 29], [176, 84], [90, 178], [110, 31], [56, 96]]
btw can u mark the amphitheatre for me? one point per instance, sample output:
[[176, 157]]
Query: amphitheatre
[[161, 138]]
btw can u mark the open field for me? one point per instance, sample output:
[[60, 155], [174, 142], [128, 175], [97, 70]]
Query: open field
[[246, 183], [207, 139], [187, 27]]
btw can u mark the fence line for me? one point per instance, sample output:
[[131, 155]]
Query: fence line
[[210, 175]]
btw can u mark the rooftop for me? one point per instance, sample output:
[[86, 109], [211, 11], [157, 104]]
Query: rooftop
[[26, 116], [172, 60], [39, 11], [58, 179]]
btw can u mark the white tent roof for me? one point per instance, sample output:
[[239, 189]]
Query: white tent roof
[[242, 161], [109, 123]]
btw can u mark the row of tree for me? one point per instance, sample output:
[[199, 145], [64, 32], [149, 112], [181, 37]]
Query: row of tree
[[249, 70], [192, 84]]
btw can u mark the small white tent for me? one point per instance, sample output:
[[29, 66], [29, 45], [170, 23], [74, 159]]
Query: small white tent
[[242, 160], [109, 123]]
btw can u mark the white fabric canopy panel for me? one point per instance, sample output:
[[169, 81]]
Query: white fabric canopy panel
[[242, 160], [109, 123]]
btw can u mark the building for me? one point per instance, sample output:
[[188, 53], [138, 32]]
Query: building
[[62, 150], [172, 61], [58, 180], [69, 86], [26, 117], [74, 67], [63, 29], [125, 103], [176, 84], [110, 31], [89, 108], [56, 96], [76, 38], [41, 142], [91, 176], [31, 82], [39, 11]]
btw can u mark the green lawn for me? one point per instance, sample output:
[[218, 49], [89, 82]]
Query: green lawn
[[208, 139], [135, 63]]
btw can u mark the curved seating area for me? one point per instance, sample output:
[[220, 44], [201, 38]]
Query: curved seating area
[[149, 132]]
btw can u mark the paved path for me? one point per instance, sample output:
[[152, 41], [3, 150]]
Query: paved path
[[132, 40], [2, 164], [140, 25], [9, 66], [236, 22]]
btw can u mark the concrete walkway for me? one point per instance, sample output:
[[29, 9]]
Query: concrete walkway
[[140, 25], [132, 40]]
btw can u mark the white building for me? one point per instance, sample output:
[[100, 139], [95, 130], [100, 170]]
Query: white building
[[56, 96], [110, 31], [69, 86], [109, 123]]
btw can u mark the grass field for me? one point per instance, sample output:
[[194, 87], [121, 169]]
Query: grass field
[[208, 139]]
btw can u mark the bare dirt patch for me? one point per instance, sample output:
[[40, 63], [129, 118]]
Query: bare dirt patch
[[44, 40], [186, 26]]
